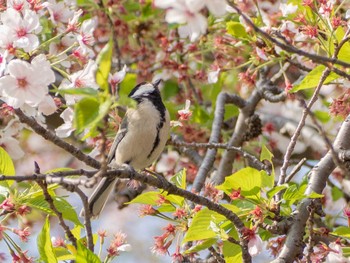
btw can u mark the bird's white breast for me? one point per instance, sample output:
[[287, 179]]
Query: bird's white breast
[[141, 135]]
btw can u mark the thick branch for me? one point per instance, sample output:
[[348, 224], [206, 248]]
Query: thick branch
[[222, 99]]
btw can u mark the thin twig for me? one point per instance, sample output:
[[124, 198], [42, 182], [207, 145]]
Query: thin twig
[[290, 48], [297, 132], [87, 218], [255, 162], [295, 170], [50, 201]]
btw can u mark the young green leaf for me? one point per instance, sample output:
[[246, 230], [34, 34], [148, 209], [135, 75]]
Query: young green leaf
[[85, 113], [200, 226], [342, 231], [68, 212], [104, 61], [248, 179], [179, 179], [44, 244], [312, 79], [236, 29], [6, 167], [232, 252], [201, 246], [150, 198], [85, 255]]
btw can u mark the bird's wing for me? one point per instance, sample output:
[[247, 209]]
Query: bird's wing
[[120, 135]]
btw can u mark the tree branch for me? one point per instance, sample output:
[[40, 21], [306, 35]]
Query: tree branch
[[318, 178], [222, 99], [50, 136]]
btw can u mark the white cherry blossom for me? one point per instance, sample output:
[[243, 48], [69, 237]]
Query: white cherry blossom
[[66, 128], [26, 83], [187, 12], [59, 12], [22, 29]]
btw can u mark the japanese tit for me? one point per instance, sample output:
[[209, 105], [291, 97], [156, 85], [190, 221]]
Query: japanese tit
[[140, 140]]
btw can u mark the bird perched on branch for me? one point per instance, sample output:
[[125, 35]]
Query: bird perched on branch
[[140, 140]]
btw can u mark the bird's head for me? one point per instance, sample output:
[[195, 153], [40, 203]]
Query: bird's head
[[146, 90]]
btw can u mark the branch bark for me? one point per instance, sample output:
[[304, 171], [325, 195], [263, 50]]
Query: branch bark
[[318, 178], [50, 136], [222, 99]]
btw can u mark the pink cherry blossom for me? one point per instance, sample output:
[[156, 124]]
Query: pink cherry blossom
[[22, 28], [26, 83], [59, 12]]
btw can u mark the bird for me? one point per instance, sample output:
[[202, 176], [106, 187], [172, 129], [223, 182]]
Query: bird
[[140, 140]]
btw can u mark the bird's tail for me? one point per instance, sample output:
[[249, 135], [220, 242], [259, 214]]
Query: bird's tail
[[99, 197]]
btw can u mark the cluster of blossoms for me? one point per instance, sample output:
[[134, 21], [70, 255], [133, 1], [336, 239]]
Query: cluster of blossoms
[[17, 254]]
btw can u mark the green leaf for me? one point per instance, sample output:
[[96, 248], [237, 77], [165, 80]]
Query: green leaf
[[44, 244], [266, 154], [68, 212], [6, 167], [293, 194], [104, 61], [150, 198], [201, 246], [80, 91], [76, 231], [199, 114], [312, 79], [336, 193], [179, 179], [322, 116], [236, 29], [248, 179], [270, 194], [63, 254], [342, 231], [170, 89], [89, 112], [344, 53], [232, 252], [85, 113], [85, 255], [315, 195], [127, 85], [200, 226]]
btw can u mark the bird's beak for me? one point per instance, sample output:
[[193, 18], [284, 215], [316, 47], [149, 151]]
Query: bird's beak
[[157, 82]]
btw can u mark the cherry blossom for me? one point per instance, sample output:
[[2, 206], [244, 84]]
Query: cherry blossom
[[84, 78], [26, 83], [66, 128], [86, 38], [117, 77], [22, 29], [288, 9], [185, 113], [213, 76], [187, 12], [59, 12], [336, 254]]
